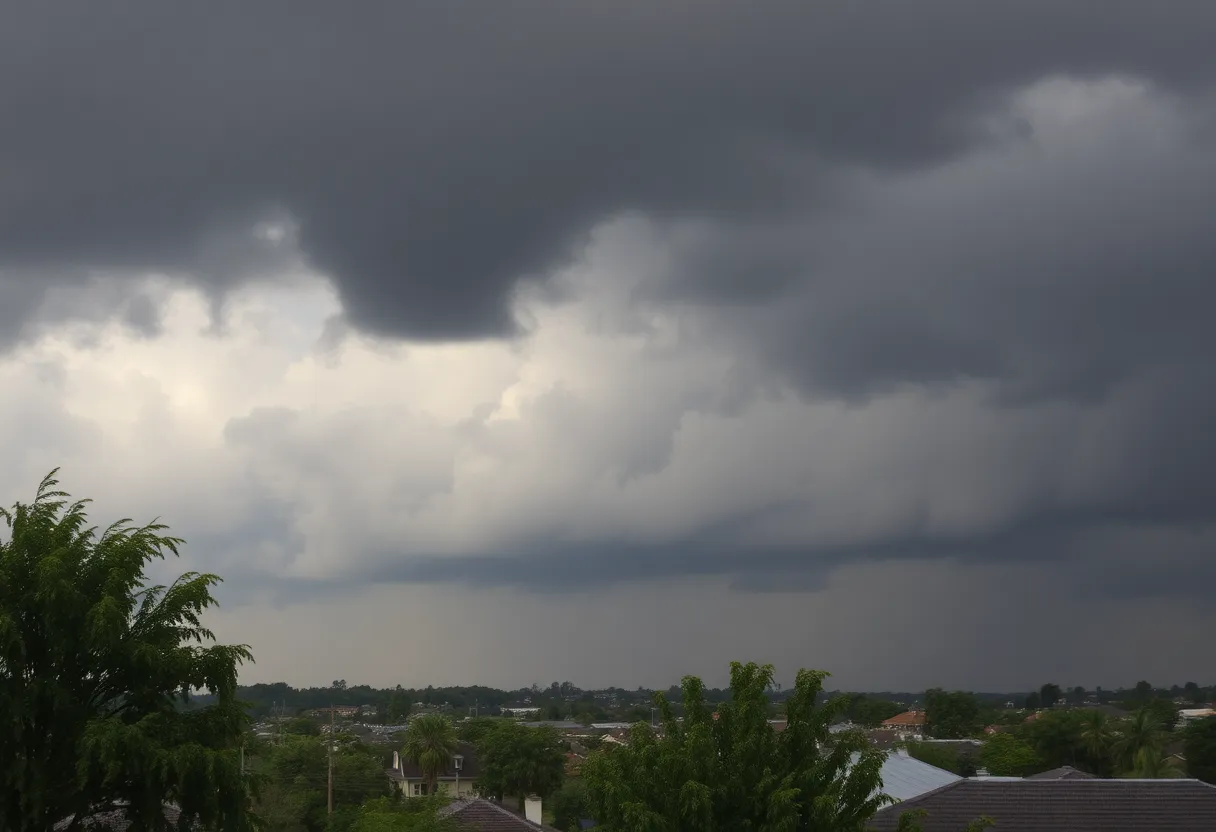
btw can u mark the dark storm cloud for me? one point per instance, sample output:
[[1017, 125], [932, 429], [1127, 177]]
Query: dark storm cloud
[[434, 156]]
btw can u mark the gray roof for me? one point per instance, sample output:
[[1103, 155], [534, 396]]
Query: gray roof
[[476, 814], [905, 777], [1063, 806]]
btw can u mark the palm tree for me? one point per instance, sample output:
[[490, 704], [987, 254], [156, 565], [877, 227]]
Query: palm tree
[[1151, 765], [430, 741], [1140, 735], [1098, 739]]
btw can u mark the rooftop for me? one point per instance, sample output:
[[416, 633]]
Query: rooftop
[[1067, 805], [479, 815]]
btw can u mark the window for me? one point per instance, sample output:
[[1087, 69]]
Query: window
[[419, 789]]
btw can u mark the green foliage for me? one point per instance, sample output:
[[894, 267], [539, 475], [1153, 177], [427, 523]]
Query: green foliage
[[473, 730], [1201, 750], [952, 715], [398, 707], [386, 814], [296, 774], [733, 772], [1141, 739], [430, 741], [302, 726], [909, 821], [944, 757], [1049, 694], [96, 669], [517, 760], [570, 804], [1005, 755], [869, 712], [1034, 701]]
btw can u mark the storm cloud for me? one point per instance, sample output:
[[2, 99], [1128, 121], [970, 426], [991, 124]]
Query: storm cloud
[[558, 298]]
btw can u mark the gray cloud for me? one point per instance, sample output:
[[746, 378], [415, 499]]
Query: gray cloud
[[934, 283], [433, 160]]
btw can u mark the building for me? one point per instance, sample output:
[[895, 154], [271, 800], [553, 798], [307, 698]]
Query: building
[[458, 779], [338, 710], [908, 720], [1062, 805]]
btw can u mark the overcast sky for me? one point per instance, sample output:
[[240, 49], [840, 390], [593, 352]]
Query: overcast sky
[[505, 343]]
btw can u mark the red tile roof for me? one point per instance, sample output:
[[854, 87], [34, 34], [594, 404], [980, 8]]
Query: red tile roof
[[907, 719]]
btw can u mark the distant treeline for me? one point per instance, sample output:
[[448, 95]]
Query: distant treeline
[[561, 700]]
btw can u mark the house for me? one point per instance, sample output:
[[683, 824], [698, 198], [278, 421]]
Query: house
[[337, 710], [908, 719], [1062, 805], [458, 779], [1191, 714], [475, 814]]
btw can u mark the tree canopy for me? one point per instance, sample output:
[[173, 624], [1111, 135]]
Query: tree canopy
[[518, 761], [952, 714], [96, 668], [1200, 750], [727, 769]]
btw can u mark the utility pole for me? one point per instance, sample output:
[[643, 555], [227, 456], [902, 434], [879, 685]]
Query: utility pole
[[330, 790]]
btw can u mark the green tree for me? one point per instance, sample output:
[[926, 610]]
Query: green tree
[[1140, 738], [951, 714], [942, 756], [1152, 765], [1005, 755], [869, 712], [1200, 750], [430, 741], [1049, 694], [386, 814], [724, 769], [398, 707], [570, 805], [303, 726], [1098, 738], [96, 670], [517, 760], [1033, 701]]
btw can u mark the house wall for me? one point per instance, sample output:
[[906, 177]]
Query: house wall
[[446, 786]]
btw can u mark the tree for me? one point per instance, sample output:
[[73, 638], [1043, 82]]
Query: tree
[[951, 715], [386, 814], [1033, 701], [1141, 735], [1049, 694], [1098, 740], [517, 760], [96, 670], [430, 741], [869, 712], [339, 684], [1144, 691], [302, 725], [1200, 750], [723, 768], [1077, 695], [570, 805], [1005, 755], [1151, 765], [398, 707], [1194, 693]]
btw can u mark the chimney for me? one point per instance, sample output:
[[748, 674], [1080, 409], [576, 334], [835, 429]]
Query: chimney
[[532, 810], [396, 761]]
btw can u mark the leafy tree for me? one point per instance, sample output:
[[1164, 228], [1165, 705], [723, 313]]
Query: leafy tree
[[1200, 750], [1033, 701], [1005, 755], [517, 760], [870, 712], [1077, 695], [942, 756], [1144, 691], [724, 769], [387, 814], [96, 670], [909, 821], [570, 805], [951, 714], [398, 707], [1049, 694], [430, 741], [1194, 693], [303, 726]]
